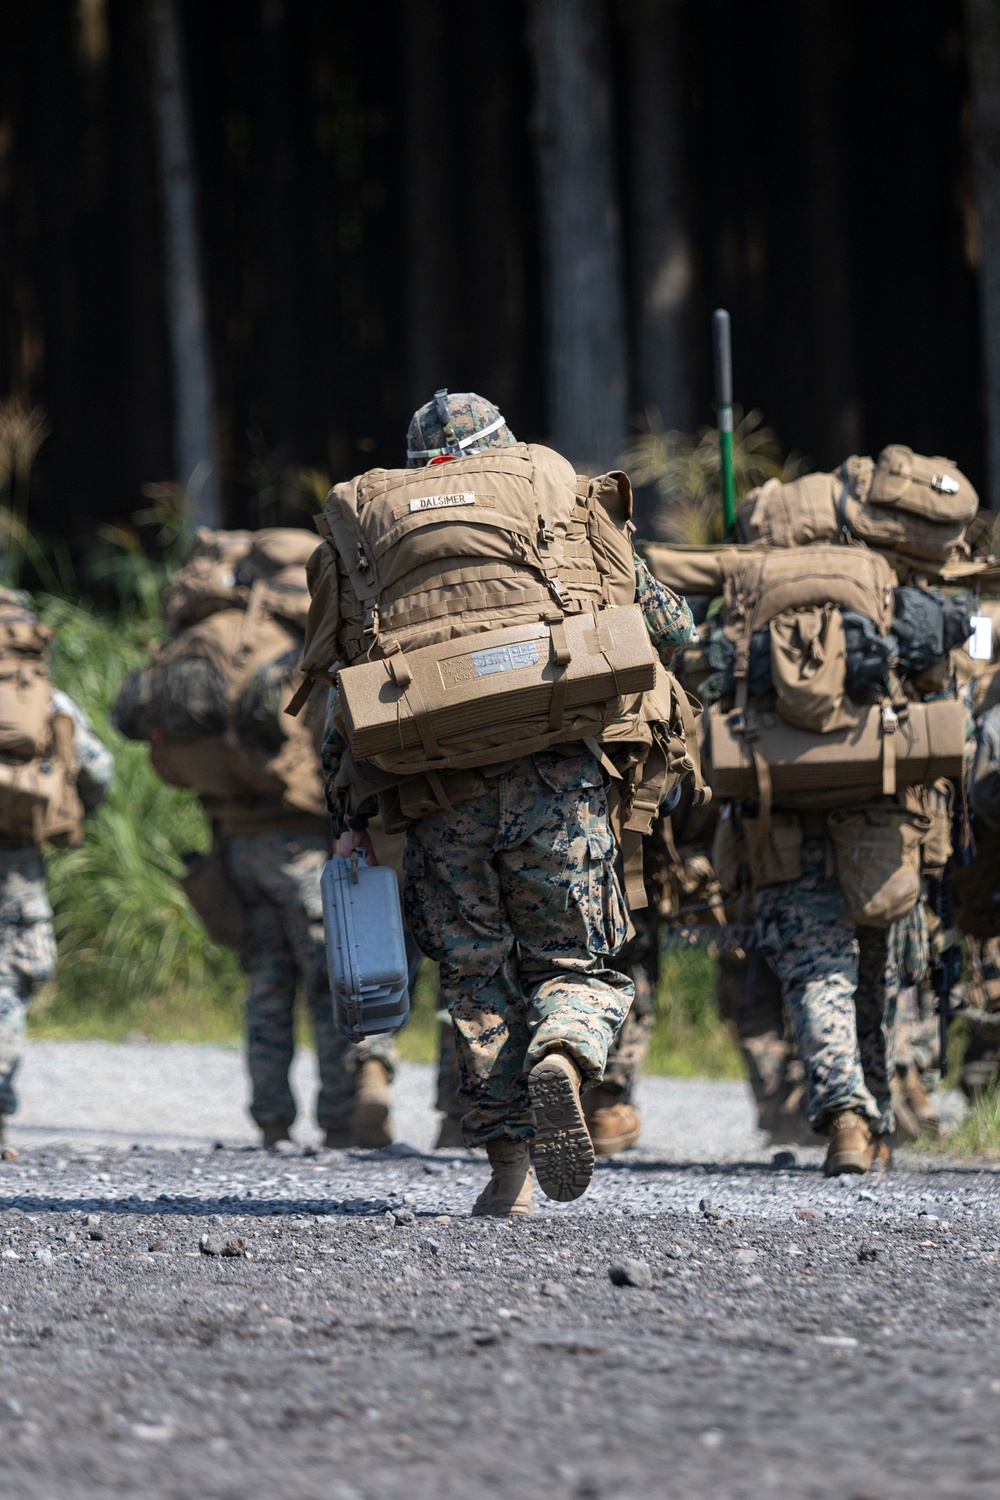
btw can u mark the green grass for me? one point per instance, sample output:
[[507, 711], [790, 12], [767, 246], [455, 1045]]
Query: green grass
[[689, 1040], [979, 1132], [132, 954], [133, 958]]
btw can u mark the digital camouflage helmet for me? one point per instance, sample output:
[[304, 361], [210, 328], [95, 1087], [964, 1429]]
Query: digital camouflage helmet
[[454, 427]]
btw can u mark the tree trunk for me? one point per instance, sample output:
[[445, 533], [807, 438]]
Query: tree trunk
[[194, 417], [663, 256], [580, 226], [435, 291], [832, 384], [983, 31]]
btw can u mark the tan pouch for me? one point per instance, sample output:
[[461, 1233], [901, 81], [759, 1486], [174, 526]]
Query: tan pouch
[[782, 854], [25, 710], [809, 667], [727, 851], [877, 858], [938, 804], [207, 886], [735, 842]]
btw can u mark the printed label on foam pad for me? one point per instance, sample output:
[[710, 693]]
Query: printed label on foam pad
[[505, 658]]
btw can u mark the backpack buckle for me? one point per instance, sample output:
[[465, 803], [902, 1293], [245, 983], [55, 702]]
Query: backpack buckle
[[890, 719], [945, 484]]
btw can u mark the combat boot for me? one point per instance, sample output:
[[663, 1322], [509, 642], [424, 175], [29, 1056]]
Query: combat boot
[[370, 1126], [921, 1104], [613, 1124], [853, 1145], [270, 1135], [450, 1136], [508, 1193], [564, 1154], [907, 1124]]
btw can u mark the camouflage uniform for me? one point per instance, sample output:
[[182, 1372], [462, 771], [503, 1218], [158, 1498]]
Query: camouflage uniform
[[640, 960], [276, 875], [27, 939], [515, 895], [839, 984], [517, 898]]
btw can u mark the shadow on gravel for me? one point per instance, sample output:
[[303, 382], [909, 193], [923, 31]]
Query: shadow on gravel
[[702, 1168], [252, 1208]]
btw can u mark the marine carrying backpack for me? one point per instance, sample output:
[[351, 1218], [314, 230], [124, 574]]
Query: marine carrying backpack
[[912, 508], [38, 797], [209, 701], [479, 610]]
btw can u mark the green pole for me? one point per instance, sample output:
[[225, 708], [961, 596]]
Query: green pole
[[723, 354]]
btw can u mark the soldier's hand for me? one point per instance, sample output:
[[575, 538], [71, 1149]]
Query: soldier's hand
[[357, 838]]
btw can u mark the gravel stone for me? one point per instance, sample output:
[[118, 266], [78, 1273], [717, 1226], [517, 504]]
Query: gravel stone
[[231, 1245], [631, 1273]]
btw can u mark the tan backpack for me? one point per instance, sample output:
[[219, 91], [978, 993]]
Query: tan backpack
[[914, 507], [480, 610], [38, 798], [232, 610], [810, 747]]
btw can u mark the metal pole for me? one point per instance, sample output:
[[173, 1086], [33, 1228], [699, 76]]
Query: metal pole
[[723, 355]]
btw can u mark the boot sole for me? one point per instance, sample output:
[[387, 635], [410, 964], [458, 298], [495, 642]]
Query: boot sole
[[563, 1151], [847, 1162]]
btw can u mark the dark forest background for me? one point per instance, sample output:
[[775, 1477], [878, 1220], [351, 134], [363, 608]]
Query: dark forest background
[[296, 227]]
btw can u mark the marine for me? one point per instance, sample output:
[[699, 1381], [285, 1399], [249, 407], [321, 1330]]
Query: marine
[[27, 937], [513, 892], [258, 778]]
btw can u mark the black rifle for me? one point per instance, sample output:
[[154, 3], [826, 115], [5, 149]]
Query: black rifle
[[946, 962]]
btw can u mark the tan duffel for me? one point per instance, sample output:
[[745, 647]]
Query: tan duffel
[[510, 689], [839, 768]]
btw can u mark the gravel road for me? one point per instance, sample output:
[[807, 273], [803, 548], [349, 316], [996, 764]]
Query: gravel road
[[797, 1338]]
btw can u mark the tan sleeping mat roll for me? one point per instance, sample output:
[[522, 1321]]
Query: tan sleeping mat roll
[[452, 688], [818, 770], [690, 569]]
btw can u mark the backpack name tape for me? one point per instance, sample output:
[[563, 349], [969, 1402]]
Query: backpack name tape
[[439, 502]]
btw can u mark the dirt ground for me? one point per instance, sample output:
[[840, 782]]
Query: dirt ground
[[366, 1340]]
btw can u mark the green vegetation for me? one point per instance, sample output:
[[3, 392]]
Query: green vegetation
[[689, 1040], [979, 1132], [685, 469]]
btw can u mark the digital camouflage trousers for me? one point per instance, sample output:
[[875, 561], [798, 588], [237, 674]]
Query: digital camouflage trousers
[[27, 956], [639, 960], [839, 984], [277, 877], [515, 896]]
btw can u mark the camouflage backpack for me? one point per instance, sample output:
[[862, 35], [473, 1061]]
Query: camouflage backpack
[[209, 701]]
